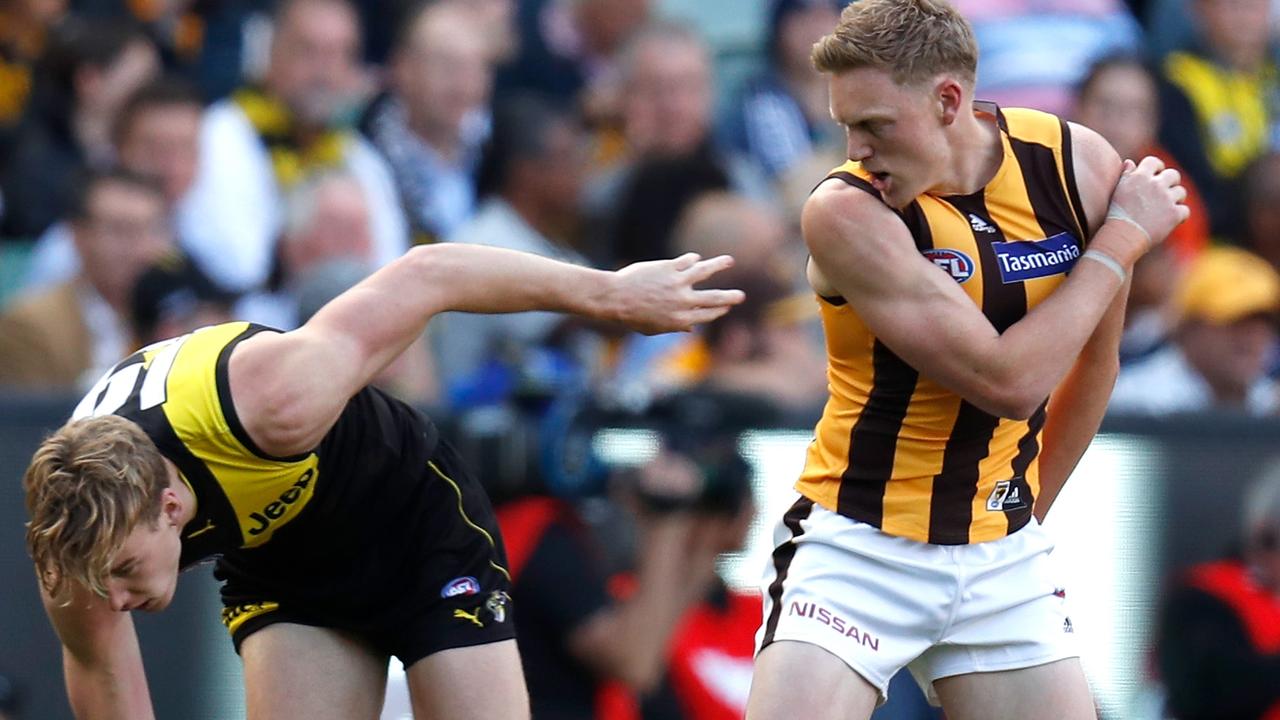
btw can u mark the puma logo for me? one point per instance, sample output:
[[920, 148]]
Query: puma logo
[[472, 616]]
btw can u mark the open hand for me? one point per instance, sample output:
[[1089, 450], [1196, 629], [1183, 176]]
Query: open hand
[[658, 296]]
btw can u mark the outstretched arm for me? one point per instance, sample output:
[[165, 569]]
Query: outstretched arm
[[100, 658], [290, 388]]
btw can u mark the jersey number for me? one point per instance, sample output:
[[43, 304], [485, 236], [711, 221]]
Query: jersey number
[[116, 387]]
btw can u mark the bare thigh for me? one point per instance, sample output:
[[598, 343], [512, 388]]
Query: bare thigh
[[297, 672], [1055, 691], [801, 680], [482, 682]]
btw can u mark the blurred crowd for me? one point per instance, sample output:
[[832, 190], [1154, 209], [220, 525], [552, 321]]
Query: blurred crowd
[[165, 164], [169, 164]]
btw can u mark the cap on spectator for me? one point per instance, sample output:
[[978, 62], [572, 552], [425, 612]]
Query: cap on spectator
[[172, 287], [1226, 284]]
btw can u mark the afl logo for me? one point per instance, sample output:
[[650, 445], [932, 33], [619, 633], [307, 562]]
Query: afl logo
[[460, 586], [955, 263]]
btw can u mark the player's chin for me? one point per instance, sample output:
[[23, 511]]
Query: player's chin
[[895, 198], [157, 604]]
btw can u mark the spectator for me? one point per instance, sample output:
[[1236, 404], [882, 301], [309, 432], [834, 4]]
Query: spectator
[[498, 18], [531, 176], [177, 26], [713, 647], [671, 156], [155, 135], [1218, 635], [1262, 208], [172, 298], [327, 220], [86, 73], [216, 44], [257, 144], [719, 223], [1220, 102], [783, 113], [431, 124], [327, 248], [24, 25], [1118, 98], [767, 348], [67, 336], [1226, 306], [1034, 52], [566, 45], [572, 643]]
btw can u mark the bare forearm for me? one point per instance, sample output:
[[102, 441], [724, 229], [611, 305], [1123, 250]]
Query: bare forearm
[[389, 310], [1078, 405], [101, 658], [289, 389], [1074, 416], [644, 624], [1034, 356], [106, 693]]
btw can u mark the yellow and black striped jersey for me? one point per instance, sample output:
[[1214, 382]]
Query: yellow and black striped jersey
[[178, 392], [897, 450]]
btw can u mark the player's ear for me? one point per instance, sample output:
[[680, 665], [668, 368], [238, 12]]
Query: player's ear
[[170, 506], [949, 96]]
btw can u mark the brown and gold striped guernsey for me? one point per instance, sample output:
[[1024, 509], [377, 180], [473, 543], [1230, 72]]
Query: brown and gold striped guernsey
[[899, 451]]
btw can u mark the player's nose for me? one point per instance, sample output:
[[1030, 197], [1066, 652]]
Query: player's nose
[[118, 598], [857, 150]]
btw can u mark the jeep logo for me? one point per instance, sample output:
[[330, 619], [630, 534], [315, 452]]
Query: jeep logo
[[277, 508]]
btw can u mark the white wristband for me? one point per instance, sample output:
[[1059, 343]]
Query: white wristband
[[1108, 262], [1115, 212]]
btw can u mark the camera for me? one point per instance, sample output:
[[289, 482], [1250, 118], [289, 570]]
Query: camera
[[560, 445]]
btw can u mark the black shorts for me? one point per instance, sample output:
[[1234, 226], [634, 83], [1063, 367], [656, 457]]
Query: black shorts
[[423, 572]]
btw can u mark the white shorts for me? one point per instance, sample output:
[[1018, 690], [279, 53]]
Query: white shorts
[[881, 603]]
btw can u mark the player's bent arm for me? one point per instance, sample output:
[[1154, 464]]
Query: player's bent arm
[[865, 253], [629, 641], [1078, 405], [290, 388], [101, 659], [862, 251]]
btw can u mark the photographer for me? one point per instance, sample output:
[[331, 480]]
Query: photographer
[[586, 653], [1218, 635]]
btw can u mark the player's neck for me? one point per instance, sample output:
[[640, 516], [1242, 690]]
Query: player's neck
[[976, 155]]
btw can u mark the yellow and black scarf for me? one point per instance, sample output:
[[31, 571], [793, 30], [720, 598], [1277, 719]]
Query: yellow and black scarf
[[275, 126]]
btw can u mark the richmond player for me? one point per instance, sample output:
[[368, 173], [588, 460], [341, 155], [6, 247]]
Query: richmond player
[[345, 529]]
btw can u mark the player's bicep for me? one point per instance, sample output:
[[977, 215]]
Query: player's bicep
[[913, 307], [290, 388]]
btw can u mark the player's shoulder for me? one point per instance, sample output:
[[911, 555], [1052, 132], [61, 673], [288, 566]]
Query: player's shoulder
[[1088, 158], [197, 364], [844, 202], [209, 345]]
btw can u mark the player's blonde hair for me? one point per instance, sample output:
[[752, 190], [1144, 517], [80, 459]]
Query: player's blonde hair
[[913, 40], [89, 485]]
